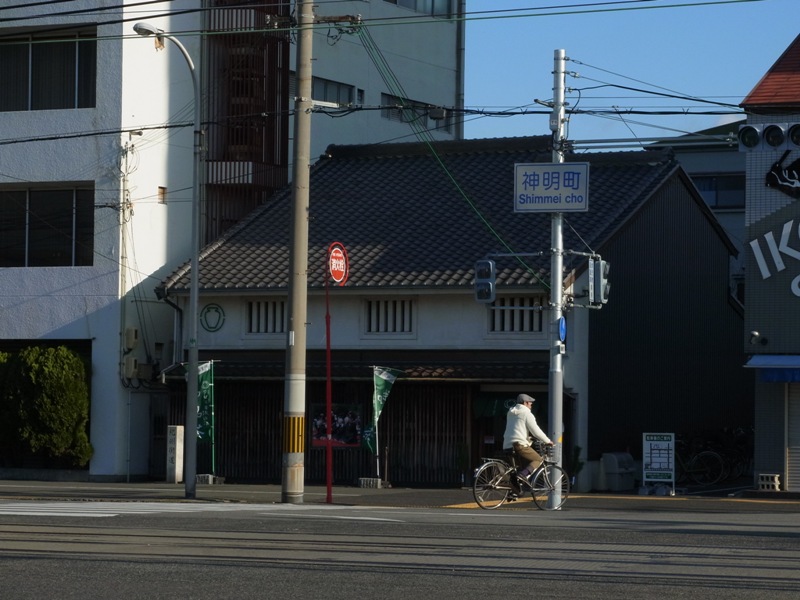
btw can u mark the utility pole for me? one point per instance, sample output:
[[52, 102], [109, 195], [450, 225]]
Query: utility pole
[[557, 263], [294, 405]]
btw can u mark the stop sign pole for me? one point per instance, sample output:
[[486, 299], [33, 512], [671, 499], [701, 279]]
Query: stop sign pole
[[338, 268]]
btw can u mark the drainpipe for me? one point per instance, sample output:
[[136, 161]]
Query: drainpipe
[[177, 333], [461, 23]]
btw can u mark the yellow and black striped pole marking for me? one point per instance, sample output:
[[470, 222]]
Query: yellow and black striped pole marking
[[294, 429], [294, 445]]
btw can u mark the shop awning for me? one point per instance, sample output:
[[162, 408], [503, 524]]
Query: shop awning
[[776, 367]]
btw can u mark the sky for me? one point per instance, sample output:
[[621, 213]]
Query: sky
[[715, 50]]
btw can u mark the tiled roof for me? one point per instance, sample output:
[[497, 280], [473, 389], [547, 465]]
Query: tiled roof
[[412, 216], [780, 87]]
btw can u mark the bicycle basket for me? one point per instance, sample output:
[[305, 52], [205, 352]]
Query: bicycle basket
[[551, 453], [554, 453]]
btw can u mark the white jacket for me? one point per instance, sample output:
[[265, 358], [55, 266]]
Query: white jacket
[[520, 426]]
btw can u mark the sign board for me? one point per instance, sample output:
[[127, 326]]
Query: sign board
[[338, 265], [551, 187], [174, 453], [658, 458]]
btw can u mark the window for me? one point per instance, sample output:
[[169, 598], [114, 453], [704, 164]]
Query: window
[[44, 72], [436, 8], [331, 91], [722, 191], [390, 316], [408, 111], [267, 316], [46, 228], [327, 90], [521, 314]]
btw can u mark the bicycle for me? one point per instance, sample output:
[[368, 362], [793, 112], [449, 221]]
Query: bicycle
[[705, 467], [548, 484]]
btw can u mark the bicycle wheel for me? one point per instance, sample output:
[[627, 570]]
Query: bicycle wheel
[[734, 462], [551, 481], [707, 467], [491, 485]]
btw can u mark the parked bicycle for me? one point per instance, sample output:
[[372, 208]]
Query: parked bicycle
[[548, 485], [704, 467]]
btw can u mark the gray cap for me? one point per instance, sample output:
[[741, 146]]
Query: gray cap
[[525, 398]]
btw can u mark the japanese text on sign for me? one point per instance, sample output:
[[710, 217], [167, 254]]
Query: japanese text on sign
[[658, 458], [337, 264], [556, 187]]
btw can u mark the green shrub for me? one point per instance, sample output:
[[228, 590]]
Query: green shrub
[[47, 403]]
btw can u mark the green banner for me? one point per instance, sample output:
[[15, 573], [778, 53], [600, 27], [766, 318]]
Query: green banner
[[205, 401], [383, 378], [368, 439]]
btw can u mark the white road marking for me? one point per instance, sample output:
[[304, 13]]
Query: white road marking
[[112, 509]]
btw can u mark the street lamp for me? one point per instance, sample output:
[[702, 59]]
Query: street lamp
[[190, 436]]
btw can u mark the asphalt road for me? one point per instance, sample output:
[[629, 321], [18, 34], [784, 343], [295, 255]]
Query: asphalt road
[[620, 548]]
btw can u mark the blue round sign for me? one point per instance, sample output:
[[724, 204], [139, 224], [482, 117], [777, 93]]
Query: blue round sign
[[562, 329]]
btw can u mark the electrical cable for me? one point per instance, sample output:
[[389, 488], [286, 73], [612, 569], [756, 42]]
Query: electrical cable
[[394, 86]]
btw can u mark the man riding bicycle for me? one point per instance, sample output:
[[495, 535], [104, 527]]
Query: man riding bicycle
[[521, 426]]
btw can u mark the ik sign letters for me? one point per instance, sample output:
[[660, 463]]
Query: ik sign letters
[[551, 187]]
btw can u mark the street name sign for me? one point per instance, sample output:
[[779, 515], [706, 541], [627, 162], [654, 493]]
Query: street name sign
[[551, 187]]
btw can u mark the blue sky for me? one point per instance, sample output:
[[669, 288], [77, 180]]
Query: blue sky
[[715, 50]]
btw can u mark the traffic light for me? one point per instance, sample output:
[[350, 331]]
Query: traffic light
[[598, 281], [769, 137], [485, 275]]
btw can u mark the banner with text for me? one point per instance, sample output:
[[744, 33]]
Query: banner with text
[[383, 379]]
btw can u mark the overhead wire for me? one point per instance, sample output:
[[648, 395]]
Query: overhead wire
[[420, 132], [424, 135], [492, 13]]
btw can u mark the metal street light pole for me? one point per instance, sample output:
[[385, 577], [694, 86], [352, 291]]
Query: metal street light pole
[[190, 435]]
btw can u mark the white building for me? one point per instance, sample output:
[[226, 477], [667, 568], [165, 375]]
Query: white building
[[96, 164]]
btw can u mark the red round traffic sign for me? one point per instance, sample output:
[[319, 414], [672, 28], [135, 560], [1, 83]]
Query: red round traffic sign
[[338, 265]]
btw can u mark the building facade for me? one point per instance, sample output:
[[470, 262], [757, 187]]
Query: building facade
[[771, 337], [96, 158], [414, 219]]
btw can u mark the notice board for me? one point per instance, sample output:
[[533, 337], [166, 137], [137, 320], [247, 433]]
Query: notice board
[[658, 458]]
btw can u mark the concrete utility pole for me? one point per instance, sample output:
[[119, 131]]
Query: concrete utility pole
[[294, 404], [557, 261]]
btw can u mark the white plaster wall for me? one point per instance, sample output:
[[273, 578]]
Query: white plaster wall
[[137, 88], [78, 302], [157, 94], [444, 321]]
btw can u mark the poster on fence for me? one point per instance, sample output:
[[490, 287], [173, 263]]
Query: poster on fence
[[345, 425], [658, 458]]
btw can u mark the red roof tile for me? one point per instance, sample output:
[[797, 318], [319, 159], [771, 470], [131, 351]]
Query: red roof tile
[[780, 87]]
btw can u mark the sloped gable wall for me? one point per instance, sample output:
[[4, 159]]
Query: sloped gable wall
[[666, 349]]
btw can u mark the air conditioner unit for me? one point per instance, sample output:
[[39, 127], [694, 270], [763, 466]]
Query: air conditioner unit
[[130, 367], [131, 338]]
